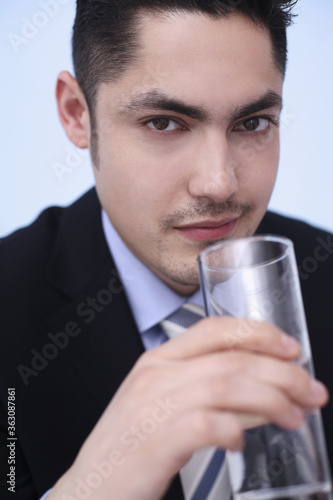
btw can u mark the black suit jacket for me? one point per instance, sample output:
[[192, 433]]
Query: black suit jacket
[[66, 354]]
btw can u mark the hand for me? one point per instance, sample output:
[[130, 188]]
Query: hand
[[200, 389]]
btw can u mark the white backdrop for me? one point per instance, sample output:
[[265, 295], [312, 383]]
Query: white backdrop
[[35, 46]]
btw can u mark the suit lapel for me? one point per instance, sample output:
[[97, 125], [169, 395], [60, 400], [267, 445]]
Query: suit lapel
[[104, 342], [103, 339]]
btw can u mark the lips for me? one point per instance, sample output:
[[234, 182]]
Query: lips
[[208, 230]]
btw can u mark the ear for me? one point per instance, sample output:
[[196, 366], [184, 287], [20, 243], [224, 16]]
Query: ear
[[73, 110]]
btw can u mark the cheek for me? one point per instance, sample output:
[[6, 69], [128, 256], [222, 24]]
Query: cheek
[[251, 149], [130, 182], [258, 161], [259, 181]]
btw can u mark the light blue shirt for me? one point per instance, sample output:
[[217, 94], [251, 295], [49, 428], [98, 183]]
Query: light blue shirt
[[150, 299]]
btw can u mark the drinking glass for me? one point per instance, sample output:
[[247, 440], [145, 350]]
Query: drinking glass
[[256, 278]]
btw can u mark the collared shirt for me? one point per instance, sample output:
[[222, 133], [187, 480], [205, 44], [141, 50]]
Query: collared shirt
[[150, 299]]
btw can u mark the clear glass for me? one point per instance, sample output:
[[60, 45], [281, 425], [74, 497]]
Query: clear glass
[[256, 278]]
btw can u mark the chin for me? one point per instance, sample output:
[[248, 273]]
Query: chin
[[185, 277]]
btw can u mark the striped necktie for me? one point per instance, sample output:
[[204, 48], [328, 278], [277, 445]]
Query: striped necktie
[[205, 476]]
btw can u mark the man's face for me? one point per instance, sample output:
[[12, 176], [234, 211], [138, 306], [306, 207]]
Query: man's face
[[188, 143]]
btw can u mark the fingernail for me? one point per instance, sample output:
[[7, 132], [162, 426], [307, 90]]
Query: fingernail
[[289, 343], [318, 389]]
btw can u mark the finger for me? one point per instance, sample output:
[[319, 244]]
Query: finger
[[247, 396], [213, 334], [292, 379], [212, 374], [204, 428]]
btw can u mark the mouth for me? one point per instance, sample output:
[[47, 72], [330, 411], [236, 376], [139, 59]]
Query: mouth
[[208, 230]]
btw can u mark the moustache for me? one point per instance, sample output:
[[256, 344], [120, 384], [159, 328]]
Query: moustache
[[205, 209]]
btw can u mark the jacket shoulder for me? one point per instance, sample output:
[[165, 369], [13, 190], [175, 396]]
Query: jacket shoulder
[[311, 243], [26, 251]]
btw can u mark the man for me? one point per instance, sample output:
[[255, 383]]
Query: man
[[179, 104]]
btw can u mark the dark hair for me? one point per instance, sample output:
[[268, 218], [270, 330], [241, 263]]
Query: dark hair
[[105, 34]]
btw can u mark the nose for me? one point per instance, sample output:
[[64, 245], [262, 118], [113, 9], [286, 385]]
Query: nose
[[213, 171]]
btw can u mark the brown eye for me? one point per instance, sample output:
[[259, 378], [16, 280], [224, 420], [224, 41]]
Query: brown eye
[[255, 124], [160, 123], [251, 124], [163, 124]]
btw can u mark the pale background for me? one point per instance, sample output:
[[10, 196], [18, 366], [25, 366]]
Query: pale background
[[34, 146]]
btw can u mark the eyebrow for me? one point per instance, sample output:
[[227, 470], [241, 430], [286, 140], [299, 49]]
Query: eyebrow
[[157, 100], [269, 100]]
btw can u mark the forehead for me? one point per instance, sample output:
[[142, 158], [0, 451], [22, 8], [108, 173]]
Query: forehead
[[217, 63], [185, 33]]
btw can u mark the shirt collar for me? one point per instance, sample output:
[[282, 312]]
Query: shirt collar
[[150, 299]]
